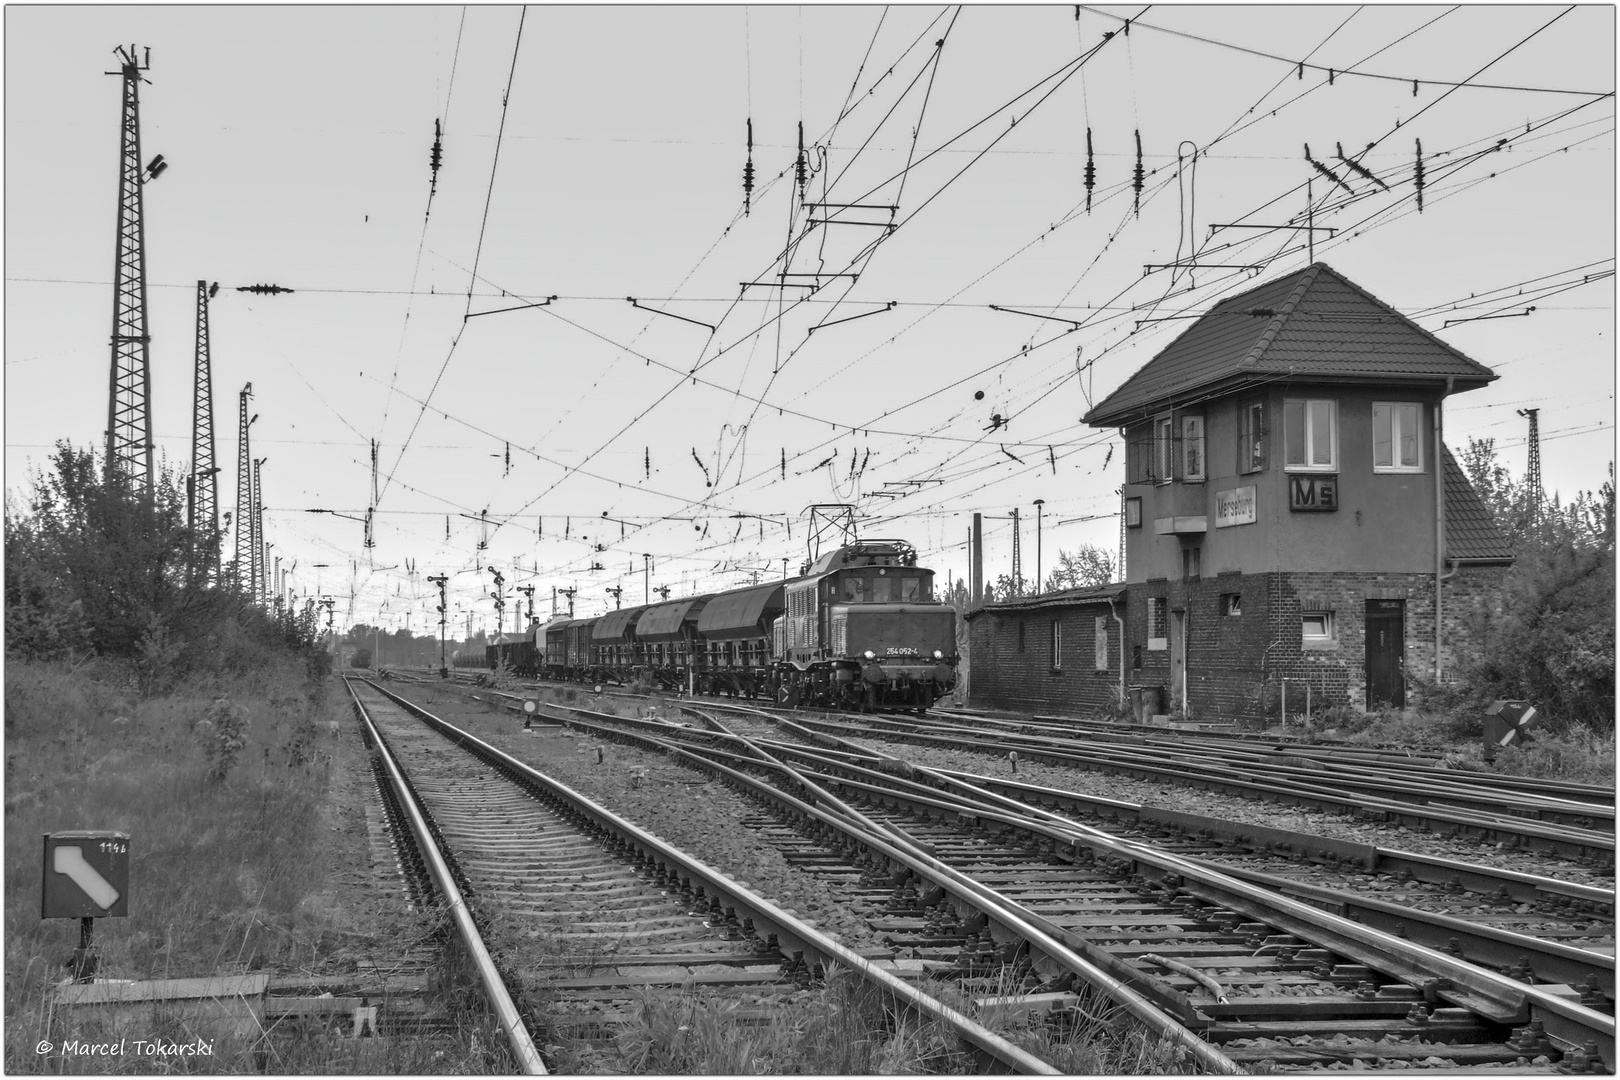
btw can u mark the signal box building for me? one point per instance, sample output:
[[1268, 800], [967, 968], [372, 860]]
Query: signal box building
[[1056, 653], [1291, 510]]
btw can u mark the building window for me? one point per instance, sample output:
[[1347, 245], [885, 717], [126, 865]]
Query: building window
[[1164, 451], [1020, 635], [1397, 439], [1057, 645], [1101, 644], [1158, 614], [1251, 437], [1192, 559], [1231, 603], [1192, 448], [1133, 512], [1316, 627], [1310, 435]]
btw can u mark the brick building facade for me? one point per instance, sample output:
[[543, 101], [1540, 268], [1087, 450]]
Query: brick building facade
[[1058, 653], [1291, 514]]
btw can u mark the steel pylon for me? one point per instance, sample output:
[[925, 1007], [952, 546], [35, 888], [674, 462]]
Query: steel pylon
[[129, 420], [205, 476]]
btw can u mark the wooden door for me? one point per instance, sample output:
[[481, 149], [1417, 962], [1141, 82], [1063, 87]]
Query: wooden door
[[1386, 653]]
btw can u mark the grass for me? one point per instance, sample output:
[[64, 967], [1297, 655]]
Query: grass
[[845, 1026], [224, 794]]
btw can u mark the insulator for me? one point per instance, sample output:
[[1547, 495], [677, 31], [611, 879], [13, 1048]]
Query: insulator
[[1091, 171], [748, 170], [1414, 88], [799, 167], [1419, 176], [1330, 76], [1136, 182]]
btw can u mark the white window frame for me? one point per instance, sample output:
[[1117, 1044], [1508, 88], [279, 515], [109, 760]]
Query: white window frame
[[1326, 639], [1164, 455], [1308, 432], [1100, 643], [1057, 645], [1192, 444], [1158, 612], [1251, 437], [1396, 430]]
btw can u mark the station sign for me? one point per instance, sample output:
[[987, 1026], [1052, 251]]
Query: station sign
[[86, 875], [1235, 507], [1313, 492]]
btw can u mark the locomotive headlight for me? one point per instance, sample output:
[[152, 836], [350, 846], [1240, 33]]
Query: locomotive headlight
[[869, 654], [938, 655]]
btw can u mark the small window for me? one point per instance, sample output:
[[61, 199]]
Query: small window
[[882, 590], [1310, 435], [1020, 636], [1251, 437], [1057, 645], [910, 589], [1316, 627], [1133, 512], [1164, 454], [1101, 643], [855, 590], [1192, 559], [1232, 604], [1192, 448], [1158, 613], [1397, 441]]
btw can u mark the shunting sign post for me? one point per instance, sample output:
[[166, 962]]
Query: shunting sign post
[[86, 877]]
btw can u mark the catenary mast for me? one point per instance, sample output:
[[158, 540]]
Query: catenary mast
[[129, 420]]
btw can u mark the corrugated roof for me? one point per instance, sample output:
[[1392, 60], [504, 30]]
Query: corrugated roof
[[615, 625], [662, 622], [1315, 323], [1471, 532], [1088, 594], [738, 614]]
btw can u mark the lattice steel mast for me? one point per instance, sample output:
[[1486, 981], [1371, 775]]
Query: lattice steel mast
[[1532, 471], [204, 475], [244, 560], [129, 420]]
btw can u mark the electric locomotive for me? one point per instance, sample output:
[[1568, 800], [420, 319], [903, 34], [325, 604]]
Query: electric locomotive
[[859, 628], [863, 630]]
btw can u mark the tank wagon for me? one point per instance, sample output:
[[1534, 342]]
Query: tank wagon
[[858, 628]]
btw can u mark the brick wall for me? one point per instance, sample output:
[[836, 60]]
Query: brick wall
[[1236, 663], [1007, 677]]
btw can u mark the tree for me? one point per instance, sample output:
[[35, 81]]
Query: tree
[[1554, 640], [1088, 567], [98, 568]]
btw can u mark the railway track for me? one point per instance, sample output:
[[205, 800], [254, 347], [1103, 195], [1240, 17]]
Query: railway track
[[588, 911], [1297, 980]]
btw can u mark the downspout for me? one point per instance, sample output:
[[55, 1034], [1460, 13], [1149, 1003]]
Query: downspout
[[1121, 623], [1439, 527]]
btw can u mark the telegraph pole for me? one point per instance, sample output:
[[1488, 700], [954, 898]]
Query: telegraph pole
[[129, 421], [646, 578], [441, 580], [204, 507], [244, 494]]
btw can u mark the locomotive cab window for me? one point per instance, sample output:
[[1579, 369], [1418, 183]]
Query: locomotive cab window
[[855, 590], [910, 589], [882, 590]]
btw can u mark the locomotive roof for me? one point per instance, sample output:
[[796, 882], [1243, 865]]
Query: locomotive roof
[[865, 553]]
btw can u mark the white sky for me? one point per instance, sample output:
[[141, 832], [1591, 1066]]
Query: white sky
[[299, 137]]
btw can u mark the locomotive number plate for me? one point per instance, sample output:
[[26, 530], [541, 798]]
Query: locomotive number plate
[[899, 651]]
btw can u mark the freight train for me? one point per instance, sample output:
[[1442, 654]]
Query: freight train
[[859, 628]]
